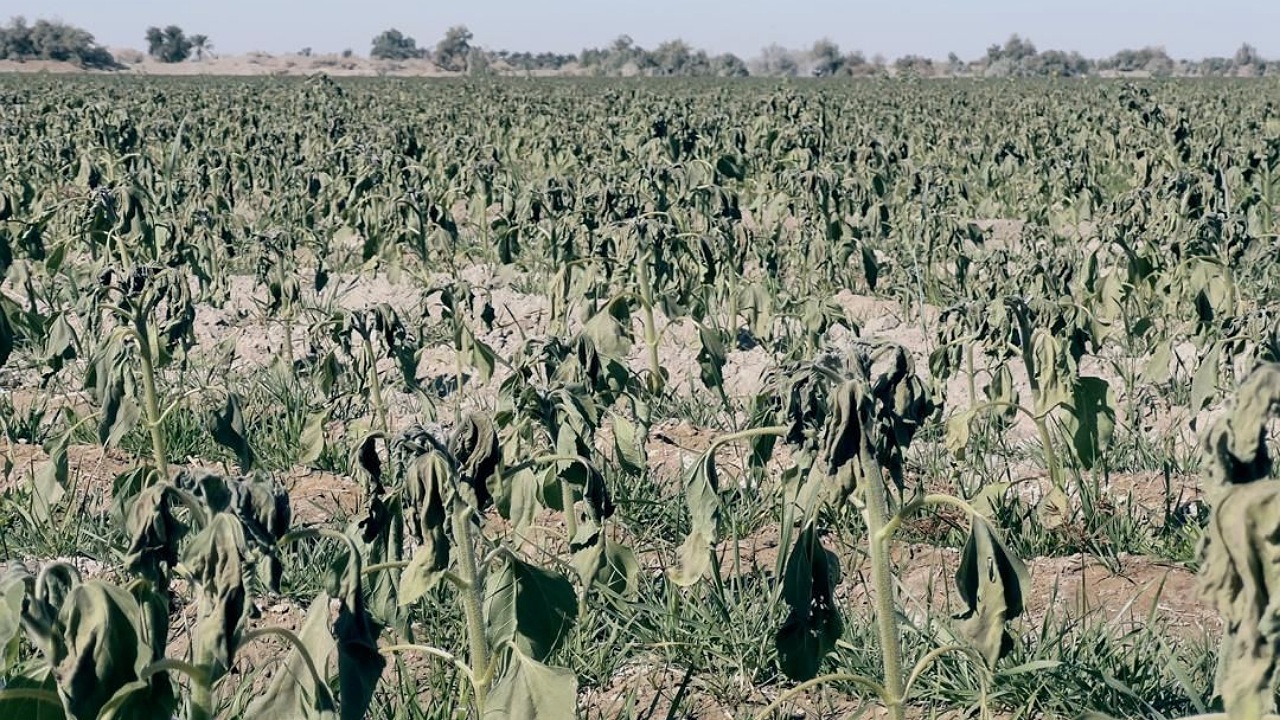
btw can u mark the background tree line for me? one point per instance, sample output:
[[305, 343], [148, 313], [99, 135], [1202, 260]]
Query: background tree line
[[455, 52]]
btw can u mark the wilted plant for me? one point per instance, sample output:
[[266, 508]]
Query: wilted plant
[[848, 422]]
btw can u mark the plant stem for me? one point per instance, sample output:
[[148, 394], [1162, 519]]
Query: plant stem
[[471, 607], [748, 434], [201, 696], [656, 381], [968, 361], [876, 512], [570, 511], [859, 680], [375, 388], [150, 399]]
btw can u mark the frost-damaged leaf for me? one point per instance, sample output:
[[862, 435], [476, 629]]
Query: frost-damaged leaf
[[813, 623], [154, 533], [312, 441], [474, 446], [1157, 369], [958, 431], [839, 465], [1238, 573], [1090, 419], [360, 663], [1053, 368], [294, 692], [628, 445], [217, 564], [50, 481], [262, 507], [702, 496], [711, 357], [13, 591], [108, 381], [528, 606], [100, 652], [227, 426], [600, 560], [429, 489], [610, 329], [1204, 384], [532, 691], [425, 571], [991, 581]]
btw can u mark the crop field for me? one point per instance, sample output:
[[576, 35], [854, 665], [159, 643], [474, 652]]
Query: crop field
[[656, 400]]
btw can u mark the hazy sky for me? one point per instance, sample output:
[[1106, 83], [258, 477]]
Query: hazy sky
[[1186, 28]]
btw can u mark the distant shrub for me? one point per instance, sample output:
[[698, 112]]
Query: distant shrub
[[52, 40]]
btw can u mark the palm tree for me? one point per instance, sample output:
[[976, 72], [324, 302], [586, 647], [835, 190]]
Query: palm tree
[[202, 46]]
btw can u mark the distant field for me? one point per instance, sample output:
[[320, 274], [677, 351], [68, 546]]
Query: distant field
[[609, 385]]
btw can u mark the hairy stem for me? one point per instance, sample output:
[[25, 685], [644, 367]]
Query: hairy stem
[[876, 512], [471, 607]]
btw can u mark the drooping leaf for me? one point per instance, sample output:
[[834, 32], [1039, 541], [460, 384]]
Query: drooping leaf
[[1090, 419], [1157, 369], [711, 357], [702, 497], [100, 652], [312, 441], [216, 560], [155, 532], [228, 428], [40, 679], [49, 484], [474, 446], [295, 693], [992, 582], [13, 590], [1204, 384], [529, 606], [530, 690], [628, 445], [813, 623], [1236, 554], [600, 560]]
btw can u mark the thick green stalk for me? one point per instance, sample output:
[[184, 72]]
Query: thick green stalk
[[151, 401], [471, 607], [877, 511]]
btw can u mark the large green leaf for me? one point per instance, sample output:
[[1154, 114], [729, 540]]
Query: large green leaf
[[530, 690], [529, 606]]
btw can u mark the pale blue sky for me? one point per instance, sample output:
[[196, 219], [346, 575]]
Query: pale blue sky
[[1186, 28]]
